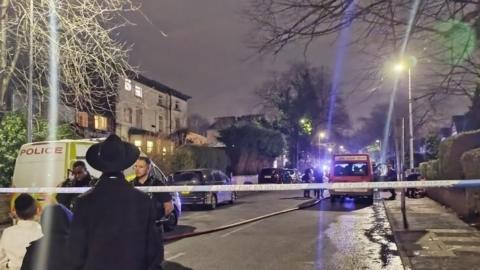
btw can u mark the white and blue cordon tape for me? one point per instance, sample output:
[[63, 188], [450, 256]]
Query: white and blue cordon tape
[[473, 183]]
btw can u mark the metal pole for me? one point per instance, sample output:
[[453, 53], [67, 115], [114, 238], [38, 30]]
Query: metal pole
[[410, 117], [30, 81], [402, 157], [402, 197]]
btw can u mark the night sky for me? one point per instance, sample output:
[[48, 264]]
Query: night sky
[[206, 56]]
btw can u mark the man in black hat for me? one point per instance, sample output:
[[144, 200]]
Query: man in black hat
[[114, 224]]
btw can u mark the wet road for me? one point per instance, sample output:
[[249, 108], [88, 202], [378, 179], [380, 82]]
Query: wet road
[[340, 235]]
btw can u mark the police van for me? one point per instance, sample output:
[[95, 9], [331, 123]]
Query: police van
[[48, 164], [351, 168]]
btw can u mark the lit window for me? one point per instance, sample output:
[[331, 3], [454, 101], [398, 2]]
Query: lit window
[[138, 91], [138, 143], [82, 119], [149, 146], [100, 122], [128, 85]]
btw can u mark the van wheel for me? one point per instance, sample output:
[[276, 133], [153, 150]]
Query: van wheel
[[213, 202]]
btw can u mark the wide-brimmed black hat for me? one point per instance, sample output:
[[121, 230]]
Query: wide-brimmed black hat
[[112, 155]]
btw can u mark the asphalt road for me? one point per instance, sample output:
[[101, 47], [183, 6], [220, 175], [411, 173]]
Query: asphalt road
[[340, 235]]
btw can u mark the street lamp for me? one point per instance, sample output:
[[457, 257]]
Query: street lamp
[[400, 67], [379, 144], [322, 135], [330, 150]]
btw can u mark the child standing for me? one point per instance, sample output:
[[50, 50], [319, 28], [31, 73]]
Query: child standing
[[16, 239]]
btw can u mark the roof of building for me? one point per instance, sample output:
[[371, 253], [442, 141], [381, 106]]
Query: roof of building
[[157, 85]]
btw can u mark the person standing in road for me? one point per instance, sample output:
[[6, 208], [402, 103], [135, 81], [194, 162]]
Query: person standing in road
[[113, 224], [145, 177], [80, 178], [390, 177], [318, 176], [307, 178]]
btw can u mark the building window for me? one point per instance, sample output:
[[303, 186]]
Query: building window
[[139, 118], [138, 91], [177, 123], [138, 143], [160, 123], [149, 147], [128, 115], [100, 122], [82, 119], [128, 85], [160, 100], [177, 105]]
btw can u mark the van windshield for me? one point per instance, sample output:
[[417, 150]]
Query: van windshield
[[353, 168]]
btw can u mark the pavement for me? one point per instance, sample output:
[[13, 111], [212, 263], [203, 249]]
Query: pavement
[[435, 238], [344, 235]]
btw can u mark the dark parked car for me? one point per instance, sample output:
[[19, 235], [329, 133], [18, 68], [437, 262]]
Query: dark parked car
[[291, 176], [270, 176], [278, 176], [204, 177]]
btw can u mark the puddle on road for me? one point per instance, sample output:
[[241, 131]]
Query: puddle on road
[[363, 240]]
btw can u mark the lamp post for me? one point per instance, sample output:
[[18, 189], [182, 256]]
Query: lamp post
[[30, 80], [400, 67]]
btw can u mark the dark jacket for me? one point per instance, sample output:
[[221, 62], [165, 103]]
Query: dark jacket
[[68, 199], [158, 198], [114, 228], [55, 221]]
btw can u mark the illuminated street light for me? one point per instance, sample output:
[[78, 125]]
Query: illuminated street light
[[399, 67], [342, 147], [322, 135], [330, 149]]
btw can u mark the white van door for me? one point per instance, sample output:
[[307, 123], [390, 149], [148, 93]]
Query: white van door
[[41, 165]]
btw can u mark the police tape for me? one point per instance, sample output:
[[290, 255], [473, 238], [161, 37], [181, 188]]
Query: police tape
[[350, 186]]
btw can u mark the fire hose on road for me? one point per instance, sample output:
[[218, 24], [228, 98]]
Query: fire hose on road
[[243, 222]]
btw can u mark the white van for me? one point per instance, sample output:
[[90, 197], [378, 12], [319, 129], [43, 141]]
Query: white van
[[48, 164]]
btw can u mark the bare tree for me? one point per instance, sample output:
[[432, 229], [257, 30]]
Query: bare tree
[[197, 123], [90, 59], [442, 34]]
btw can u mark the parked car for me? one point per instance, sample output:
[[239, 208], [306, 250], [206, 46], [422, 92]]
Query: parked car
[[204, 177], [270, 176], [291, 176], [278, 176]]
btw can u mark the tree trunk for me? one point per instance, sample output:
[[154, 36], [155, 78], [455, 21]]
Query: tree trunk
[[3, 52]]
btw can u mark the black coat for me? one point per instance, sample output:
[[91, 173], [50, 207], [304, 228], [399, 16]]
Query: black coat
[[68, 199], [55, 229], [114, 228]]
